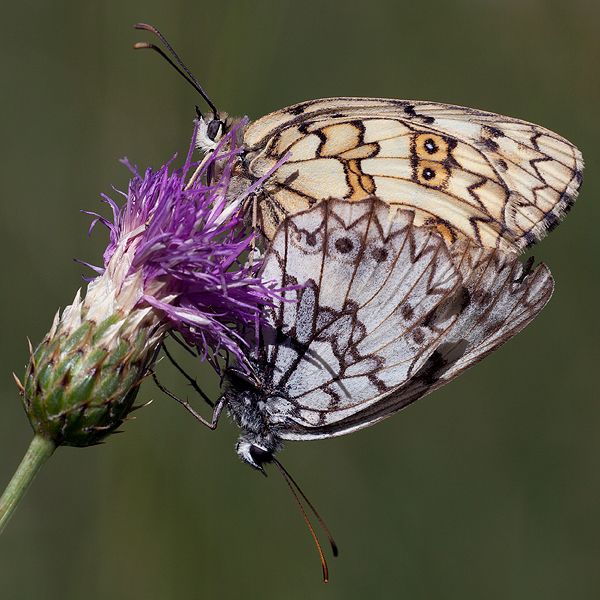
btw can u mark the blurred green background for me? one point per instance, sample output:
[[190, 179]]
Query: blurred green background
[[489, 488]]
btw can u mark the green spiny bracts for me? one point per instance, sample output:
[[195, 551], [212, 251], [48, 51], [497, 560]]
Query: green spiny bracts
[[174, 263], [82, 380], [77, 391]]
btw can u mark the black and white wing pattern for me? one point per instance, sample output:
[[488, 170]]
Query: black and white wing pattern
[[502, 297], [496, 181], [383, 313]]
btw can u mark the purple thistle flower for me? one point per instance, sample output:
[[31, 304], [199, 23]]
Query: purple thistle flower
[[174, 263], [178, 249]]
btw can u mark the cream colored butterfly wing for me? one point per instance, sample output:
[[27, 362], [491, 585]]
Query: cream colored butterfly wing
[[496, 181]]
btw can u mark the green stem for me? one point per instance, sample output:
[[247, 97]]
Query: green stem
[[40, 450]]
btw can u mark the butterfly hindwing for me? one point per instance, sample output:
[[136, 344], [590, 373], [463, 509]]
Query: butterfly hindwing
[[378, 312], [502, 300], [377, 297]]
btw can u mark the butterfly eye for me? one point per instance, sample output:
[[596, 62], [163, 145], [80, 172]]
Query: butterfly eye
[[260, 456], [215, 127]]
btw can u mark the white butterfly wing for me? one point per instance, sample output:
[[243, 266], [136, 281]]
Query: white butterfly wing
[[496, 181], [378, 297], [502, 300]]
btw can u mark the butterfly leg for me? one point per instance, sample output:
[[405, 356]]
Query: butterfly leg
[[216, 413], [254, 221], [198, 171], [218, 408]]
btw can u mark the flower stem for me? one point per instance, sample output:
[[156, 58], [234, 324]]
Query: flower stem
[[40, 450]]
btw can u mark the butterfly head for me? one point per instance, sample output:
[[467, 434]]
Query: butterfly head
[[212, 127]]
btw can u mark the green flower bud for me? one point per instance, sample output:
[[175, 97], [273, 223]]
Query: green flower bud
[[82, 380]]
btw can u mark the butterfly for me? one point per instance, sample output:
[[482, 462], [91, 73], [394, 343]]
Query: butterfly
[[377, 312], [471, 175], [495, 181], [395, 226]]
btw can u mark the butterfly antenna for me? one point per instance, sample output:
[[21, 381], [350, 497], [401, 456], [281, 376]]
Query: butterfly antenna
[[187, 75], [290, 480]]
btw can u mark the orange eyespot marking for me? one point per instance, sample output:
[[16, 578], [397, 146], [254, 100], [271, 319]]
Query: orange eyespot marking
[[431, 147], [431, 174]]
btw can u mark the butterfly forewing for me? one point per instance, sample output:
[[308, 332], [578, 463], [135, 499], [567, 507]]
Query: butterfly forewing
[[496, 181]]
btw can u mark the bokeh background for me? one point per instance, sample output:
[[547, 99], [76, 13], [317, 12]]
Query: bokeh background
[[489, 488]]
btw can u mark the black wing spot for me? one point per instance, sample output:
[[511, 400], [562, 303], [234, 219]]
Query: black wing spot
[[380, 255], [407, 312], [430, 146], [428, 173], [344, 245], [418, 336]]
